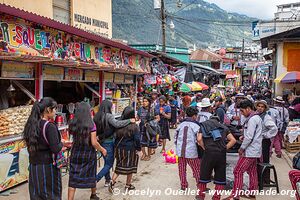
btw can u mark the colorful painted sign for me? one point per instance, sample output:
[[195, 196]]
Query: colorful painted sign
[[11, 69], [108, 77], [128, 79], [18, 36], [91, 76], [14, 162], [119, 78], [53, 73], [73, 74]]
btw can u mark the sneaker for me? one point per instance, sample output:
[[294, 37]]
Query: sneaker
[[106, 184], [94, 197]]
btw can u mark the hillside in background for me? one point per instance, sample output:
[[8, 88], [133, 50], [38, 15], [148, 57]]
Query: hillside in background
[[196, 23]]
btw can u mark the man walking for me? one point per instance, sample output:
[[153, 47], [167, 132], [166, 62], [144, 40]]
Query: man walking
[[250, 150]]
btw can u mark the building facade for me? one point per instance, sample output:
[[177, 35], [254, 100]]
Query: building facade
[[89, 15]]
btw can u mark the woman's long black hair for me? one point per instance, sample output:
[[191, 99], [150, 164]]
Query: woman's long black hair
[[149, 101], [100, 118], [127, 131], [32, 127], [82, 124]]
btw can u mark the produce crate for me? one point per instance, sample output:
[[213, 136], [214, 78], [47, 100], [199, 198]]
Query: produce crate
[[293, 147]]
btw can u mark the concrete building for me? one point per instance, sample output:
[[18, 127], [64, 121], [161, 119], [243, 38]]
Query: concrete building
[[90, 15]]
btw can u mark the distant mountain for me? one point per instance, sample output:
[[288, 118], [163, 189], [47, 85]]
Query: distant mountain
[[196, 23]]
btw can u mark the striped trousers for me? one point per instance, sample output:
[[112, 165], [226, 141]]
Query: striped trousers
[[194, 163], [243, 165], [218, 189], [277, 143], [294, 178]]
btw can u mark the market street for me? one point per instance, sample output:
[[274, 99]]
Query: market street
[[156, 175]]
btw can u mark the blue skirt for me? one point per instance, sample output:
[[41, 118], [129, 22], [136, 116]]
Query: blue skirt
[[44, 182], [83, 166]]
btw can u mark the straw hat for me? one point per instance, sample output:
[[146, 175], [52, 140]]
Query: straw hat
[[262, 102], [240, 95], [154, 91], [279, 99], [204, 103]]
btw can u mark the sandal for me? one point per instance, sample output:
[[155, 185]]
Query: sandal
[[143, 157], [147, 158], [111, 186], [153, 152], [129, 187]]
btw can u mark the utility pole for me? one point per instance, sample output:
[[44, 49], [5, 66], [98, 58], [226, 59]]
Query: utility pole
[[243, 52], [163, 25]]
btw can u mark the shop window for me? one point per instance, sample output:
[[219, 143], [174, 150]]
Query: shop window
[[61, 11]]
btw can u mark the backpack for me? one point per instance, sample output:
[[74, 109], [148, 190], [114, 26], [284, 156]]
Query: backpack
[[267, 135], [216, 134]]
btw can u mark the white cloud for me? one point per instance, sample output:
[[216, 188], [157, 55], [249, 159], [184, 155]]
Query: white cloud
[[262, 9]]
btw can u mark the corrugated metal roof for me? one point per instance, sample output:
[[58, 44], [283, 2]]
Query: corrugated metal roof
[[6, 9]]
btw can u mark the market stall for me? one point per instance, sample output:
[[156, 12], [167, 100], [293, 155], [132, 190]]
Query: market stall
[[40, 57]]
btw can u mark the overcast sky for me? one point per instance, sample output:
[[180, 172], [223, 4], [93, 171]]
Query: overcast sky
[[262, 9]]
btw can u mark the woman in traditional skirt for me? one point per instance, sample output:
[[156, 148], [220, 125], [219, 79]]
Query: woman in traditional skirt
[[127, 149], [145, 114], [174, 110], [163, 111], [83, 159], [44, 177]]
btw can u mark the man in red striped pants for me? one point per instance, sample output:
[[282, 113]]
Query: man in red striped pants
[[186, 147], [250, 150]]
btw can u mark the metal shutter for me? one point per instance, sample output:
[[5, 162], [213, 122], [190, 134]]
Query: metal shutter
[[61, 11]]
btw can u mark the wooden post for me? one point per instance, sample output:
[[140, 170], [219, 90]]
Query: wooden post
[[38, 81], [101, 88]]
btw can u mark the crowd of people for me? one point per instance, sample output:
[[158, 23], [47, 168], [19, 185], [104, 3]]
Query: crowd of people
[[245, 121]]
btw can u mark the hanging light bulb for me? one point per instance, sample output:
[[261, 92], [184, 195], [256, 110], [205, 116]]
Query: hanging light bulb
[[10, 88], [172, 25], [179, 3]]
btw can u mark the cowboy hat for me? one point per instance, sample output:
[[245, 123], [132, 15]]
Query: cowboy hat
[[262, 102], [240, 95], [278, 99], [204, 103]]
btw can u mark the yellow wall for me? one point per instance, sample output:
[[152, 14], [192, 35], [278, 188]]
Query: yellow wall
[[99, 10], [95, 9], [41, 7]]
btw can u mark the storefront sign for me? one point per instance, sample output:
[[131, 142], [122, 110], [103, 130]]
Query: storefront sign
[[14, 162], [92, 76], [24, 38], [108, 77], [53, 73], [128, 79], [73, 74], [119, 78], [12, 69]]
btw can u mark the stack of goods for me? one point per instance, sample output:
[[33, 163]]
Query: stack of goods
[[13, 120], [292, 134]]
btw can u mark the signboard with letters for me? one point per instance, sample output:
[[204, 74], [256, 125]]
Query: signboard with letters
[[108, 77], [53, 73], [22, 37], [73, 74], [11, 69], [91, 76], [128, 79], [119, 78]]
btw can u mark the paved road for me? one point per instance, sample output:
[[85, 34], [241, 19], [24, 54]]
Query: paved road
[[159, 179]]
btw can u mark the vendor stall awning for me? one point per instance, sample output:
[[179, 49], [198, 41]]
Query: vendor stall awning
[[288, 77]]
